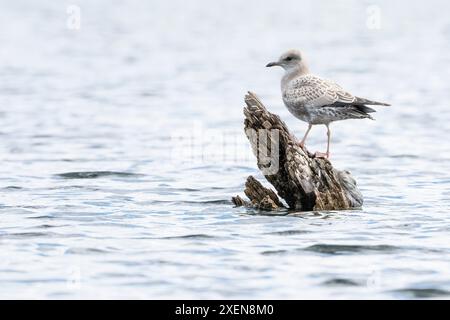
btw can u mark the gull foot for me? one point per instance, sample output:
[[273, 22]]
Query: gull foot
[[301, 144], [325, 155]]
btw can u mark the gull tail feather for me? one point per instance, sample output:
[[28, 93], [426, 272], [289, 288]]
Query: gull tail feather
[[369, 102], [364, 111]]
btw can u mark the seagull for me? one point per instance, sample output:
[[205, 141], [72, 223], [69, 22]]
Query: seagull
[[316, 100]]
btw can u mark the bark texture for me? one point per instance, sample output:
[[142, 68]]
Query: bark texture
[[304, 182]]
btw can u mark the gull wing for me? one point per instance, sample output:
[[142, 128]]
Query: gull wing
[[316, 92]]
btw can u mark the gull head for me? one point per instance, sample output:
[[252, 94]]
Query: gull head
[[291, 60]]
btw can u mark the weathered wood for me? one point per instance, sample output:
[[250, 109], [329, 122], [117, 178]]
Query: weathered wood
[[303, 181], [260, 197]]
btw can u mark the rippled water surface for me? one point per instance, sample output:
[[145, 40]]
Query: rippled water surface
[[122, 144]]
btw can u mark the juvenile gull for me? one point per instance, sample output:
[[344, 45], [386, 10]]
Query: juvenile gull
[[316, 100]]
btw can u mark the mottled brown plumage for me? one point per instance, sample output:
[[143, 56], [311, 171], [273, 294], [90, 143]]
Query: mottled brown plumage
[[316, 100]]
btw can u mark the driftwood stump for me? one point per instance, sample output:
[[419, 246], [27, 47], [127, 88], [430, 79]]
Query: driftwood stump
[[304, 182]]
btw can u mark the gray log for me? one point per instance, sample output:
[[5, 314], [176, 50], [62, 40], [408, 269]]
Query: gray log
[[303, 181]]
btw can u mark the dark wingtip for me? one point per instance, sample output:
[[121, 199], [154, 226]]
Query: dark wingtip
[[365, 109], [360, 100]]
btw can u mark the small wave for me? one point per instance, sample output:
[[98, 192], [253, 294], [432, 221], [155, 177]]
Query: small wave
[[217, 201], [41, 217], [340, 282], [273, 252], [404, 156], [422, 292], [342, 249], [86, 251], [46, 226], [13, 188], [95, 174], [289, 232], [26, 235], [191, 236], [20, 235], [187, 202], [186, 189]]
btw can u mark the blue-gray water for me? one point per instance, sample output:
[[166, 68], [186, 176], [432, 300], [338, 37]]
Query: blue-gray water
[[98, 200]]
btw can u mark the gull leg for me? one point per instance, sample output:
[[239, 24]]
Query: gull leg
[[302, 143], [327, 154]]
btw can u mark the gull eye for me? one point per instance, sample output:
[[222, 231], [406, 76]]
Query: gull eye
[[288, 58]]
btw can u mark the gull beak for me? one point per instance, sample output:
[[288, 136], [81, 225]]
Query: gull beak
[[272, 64]]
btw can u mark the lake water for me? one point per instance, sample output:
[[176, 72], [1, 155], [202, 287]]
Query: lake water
[[122, 145]]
